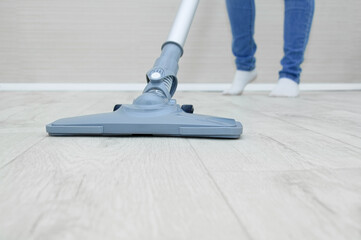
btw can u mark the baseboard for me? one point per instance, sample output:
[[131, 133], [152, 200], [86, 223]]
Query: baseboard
[[209, 87]]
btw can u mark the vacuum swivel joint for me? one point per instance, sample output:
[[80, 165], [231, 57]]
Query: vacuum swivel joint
[[162, 78]]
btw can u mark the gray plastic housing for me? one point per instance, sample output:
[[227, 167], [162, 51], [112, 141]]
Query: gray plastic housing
[[149, 114]]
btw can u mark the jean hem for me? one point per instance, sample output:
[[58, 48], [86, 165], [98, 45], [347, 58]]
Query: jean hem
[[290, 76], [247, 69]]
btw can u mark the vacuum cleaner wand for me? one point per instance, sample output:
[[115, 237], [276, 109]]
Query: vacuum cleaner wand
[[154, 112]]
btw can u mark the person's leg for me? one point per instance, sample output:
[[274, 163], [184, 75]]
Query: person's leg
[[242, 17], [297, 26]]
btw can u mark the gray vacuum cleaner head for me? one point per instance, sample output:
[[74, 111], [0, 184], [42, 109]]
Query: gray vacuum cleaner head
[[150, 114], [155, 112]]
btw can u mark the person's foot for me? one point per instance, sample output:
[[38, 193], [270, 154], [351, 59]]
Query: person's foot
[[240, 81], [285, 88]]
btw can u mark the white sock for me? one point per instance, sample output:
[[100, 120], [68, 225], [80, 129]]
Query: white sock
[[240, 81], [285, 88]]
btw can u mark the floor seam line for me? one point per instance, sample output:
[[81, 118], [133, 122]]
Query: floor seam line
[[221, 193], [22, 153], [315, 132], [293, 124]]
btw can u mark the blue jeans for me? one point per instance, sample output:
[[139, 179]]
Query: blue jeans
[[297, 26]]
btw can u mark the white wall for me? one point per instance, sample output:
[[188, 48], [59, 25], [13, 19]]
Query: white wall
[[118, 41]]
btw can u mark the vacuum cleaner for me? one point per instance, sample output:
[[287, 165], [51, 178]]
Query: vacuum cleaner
[[154, 112]]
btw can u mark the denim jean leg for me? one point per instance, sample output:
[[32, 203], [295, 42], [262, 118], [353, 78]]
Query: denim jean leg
[[297, 26], [242, 17]]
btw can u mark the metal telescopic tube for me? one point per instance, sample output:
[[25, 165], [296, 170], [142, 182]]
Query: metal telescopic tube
[[183, 22]]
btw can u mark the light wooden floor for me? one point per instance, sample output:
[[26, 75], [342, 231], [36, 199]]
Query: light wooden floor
[[295, 173]]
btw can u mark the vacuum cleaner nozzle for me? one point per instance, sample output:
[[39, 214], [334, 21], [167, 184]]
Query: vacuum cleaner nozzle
[[155, 112], [150, 114]]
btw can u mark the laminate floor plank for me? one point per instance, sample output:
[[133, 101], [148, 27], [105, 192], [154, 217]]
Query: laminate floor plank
[[23, 116], [274, 143], [13, 145], [36, 109], [343, 100], [283, 180], [294, 174], [312, 204], [112, 188], [339, 123]]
